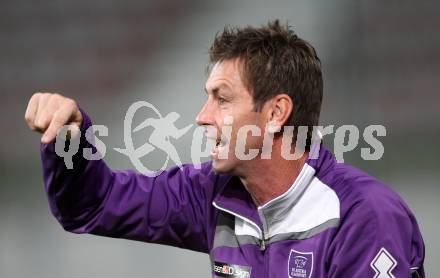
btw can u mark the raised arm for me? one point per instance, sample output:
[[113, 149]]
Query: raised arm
[[172, 208]]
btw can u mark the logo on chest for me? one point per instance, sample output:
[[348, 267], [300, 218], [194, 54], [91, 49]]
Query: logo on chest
[[300, 264]]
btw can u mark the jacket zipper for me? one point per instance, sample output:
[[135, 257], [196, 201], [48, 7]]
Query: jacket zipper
[[263, 246], [262, 240]]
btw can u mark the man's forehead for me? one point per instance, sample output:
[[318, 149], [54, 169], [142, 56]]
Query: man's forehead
[[215, 68], [224, 67], [222, 73]]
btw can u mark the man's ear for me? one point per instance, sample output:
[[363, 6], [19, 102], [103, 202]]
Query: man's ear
[[280, 108]]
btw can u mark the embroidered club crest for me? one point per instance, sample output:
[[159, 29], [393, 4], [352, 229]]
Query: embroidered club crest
[[300, 264]]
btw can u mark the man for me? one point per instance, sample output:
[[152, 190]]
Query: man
[[258, 217]]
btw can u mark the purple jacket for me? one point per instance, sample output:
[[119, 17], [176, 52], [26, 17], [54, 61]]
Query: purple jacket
[[334, 221]]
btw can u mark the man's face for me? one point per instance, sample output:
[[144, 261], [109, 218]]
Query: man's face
[[229, 100]]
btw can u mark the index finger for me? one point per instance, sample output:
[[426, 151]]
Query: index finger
[[31, 110], [60, 118]]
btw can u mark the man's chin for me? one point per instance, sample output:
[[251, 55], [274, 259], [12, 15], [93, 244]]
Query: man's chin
[[222, 166]]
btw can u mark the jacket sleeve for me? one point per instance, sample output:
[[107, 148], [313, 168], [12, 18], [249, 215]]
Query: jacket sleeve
[[378, 237], [171, 208]]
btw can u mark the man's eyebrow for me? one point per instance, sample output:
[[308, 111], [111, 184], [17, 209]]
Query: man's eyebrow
[[216, 90]]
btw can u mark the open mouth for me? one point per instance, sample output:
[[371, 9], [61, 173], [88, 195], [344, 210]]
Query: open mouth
[[217, 142], [220, 143]]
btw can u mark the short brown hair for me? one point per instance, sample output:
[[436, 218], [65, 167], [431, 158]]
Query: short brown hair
[[275, 60]]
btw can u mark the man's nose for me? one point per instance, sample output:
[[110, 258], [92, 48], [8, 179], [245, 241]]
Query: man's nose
[[205, 116]]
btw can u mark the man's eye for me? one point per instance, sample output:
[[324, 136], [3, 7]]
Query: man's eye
[[221, 101]]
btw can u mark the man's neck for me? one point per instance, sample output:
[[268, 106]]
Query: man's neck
[[270, 178]]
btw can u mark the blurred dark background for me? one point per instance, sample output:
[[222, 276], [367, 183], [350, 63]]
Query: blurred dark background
[[381, 66]]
